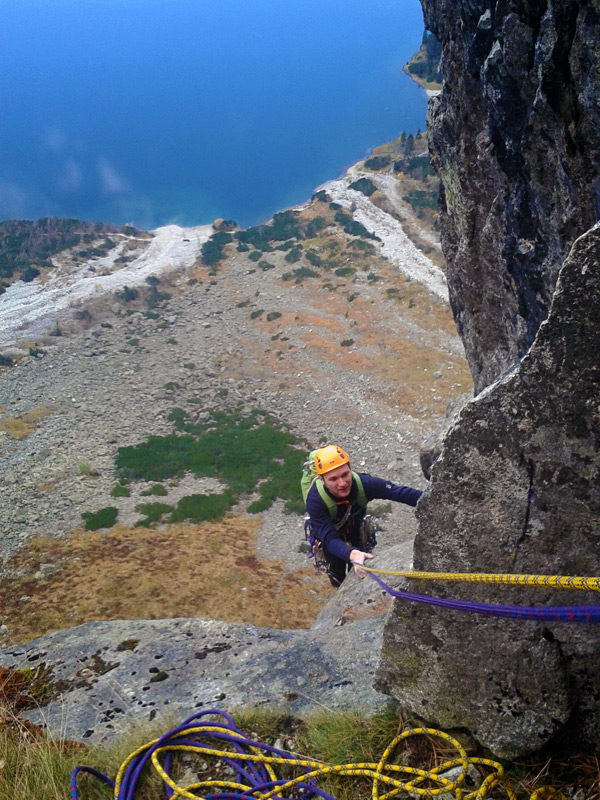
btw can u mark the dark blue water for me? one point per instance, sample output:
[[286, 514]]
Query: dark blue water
[[157, 111]]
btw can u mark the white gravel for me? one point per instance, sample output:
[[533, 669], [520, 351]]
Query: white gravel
[[28, 310], [395, 244]]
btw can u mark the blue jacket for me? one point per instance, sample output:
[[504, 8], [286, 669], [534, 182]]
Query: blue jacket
[[341, 543]]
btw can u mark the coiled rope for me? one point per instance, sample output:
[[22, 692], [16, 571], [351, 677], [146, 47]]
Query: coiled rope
[[252, 765], [547, 613]]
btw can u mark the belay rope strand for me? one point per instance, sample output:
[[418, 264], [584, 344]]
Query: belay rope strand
[[548, 613], [252, 765], [552, 581]]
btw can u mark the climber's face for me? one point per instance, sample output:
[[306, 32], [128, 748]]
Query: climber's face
[[339, 481]]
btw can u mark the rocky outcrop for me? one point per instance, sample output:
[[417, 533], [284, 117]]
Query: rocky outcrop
[[516, 489], [98, 679], [515, 138]]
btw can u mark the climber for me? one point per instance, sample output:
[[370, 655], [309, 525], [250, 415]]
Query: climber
[[337, 508]]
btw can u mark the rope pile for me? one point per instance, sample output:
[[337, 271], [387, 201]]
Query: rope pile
[[252, 765], [547, 613]]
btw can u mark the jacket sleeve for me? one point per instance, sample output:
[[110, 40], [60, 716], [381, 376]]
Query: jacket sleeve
[[323, 527], [378, 489]]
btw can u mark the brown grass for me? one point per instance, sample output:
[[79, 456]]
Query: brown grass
[[206, 570], [407, 368], [22, 426]]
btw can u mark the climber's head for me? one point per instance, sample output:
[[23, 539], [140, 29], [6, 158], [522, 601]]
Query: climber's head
[[333, 467]]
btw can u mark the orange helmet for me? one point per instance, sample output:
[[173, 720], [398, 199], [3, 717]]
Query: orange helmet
[[328, 458]]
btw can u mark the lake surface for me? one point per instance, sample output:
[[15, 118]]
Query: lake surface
[[158, 111]]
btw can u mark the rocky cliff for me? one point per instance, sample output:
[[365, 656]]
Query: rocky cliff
[[515, 489], [515, 139]]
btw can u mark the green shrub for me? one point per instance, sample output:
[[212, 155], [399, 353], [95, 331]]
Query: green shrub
[[265, 265], [363, 247], [120, 491], [358, 229], [295, 254], [127, 294], [364, 185], [342, 272], [257, 313], [212, 249], [153, 512], [284, 225], [321, 196], [104, 518], [314, 258], [377, 162], [347, 342], [342, 217], [352, 227], [157, 489], [255, 255], [272, 315], [314, 226], [299, 274], [29, 274], [177, 415], [201, 507], [86, 470], [419, 198], [266, 459]]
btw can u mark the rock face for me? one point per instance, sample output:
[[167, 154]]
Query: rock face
[[515, 139], [516, 489]]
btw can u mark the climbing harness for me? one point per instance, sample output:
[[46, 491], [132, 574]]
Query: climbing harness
[[315, 549], [367, 536], [251, 765], [548, 613]]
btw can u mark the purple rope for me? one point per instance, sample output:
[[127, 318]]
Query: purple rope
[[548, 613], [253, 774]]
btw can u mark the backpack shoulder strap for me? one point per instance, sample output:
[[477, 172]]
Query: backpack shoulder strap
[[361, 497], [329, 501]]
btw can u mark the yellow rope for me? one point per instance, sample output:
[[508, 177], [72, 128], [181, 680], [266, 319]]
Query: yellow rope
[[386, 777], [552, 581]]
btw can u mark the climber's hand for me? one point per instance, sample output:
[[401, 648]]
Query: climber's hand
[[358, 557]]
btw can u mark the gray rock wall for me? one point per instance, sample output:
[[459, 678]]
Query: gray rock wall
[[516, 489], [515, 139]]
